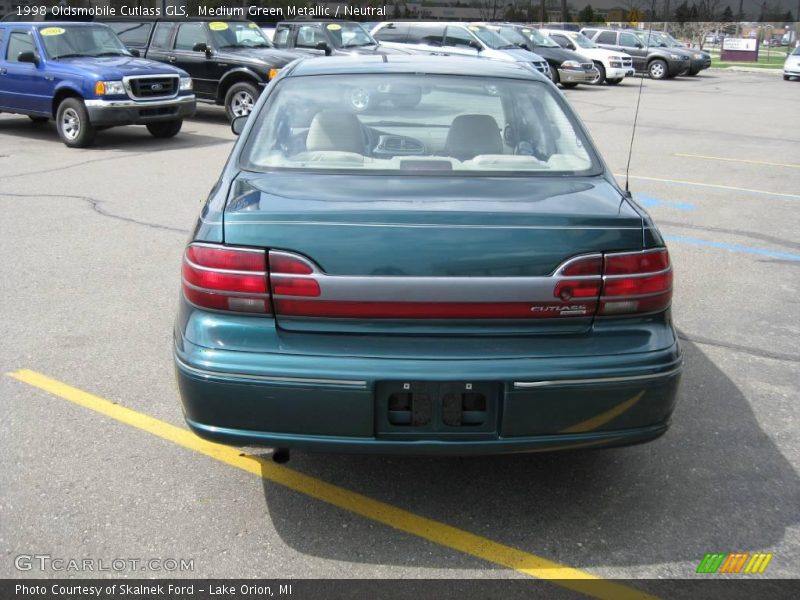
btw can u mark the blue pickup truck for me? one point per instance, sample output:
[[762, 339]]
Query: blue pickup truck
[[81, 75]]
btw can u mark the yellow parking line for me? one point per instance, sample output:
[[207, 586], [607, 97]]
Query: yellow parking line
[[741, 160], [397, 518], [711, 185]]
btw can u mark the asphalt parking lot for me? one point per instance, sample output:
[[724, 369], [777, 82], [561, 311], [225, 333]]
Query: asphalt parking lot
[[91, 247]]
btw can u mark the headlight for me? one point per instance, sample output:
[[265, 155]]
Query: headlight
[[698, 56], [109, 88], [273, 73], [618, 58], [571, 64], [675, 56], [186, 84]]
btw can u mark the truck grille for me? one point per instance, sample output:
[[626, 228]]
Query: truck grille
[[153, 87], [542, 67], [627, 62]]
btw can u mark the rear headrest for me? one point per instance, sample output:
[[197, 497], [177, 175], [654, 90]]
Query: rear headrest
[[471, 135], [337, 130]]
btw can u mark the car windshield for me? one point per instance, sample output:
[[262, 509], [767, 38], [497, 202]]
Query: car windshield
[[537, 38], [418, 124], [796, 51], [583, 42], [490, 38], [238, 34], [349, 35], [81, 40]]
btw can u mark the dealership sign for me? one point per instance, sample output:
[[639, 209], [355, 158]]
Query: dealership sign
[[742, 49]]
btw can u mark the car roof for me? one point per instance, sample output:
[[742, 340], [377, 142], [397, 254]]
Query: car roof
[[418, 64]]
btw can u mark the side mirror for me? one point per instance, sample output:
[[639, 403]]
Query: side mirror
[[571, 46], [28, 57], [639, 45], [325, 48], [475, 45], [135, 52], [238, 123], [202, 47]]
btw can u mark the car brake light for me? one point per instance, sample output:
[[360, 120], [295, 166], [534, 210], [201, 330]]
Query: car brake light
[[636, 282], [226, 278]]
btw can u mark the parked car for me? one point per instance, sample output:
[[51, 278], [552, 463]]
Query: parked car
[[81, 75], [464, 278], [455, 39], [611, 66], [791, 67], [566, 67], [657, 62], [700, 59], [328, 37], [230, 61]]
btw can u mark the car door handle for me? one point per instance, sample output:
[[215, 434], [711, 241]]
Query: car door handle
[[172, 59]]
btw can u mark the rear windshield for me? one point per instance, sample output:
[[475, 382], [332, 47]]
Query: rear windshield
[[419, 123]]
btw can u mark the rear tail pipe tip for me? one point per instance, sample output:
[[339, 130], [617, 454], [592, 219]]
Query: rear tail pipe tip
[[281, 455]]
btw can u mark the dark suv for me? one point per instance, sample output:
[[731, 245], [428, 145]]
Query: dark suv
[[230, 61], [656, 61]]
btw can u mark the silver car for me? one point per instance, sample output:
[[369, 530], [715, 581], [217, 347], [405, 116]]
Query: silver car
[[791, 68]]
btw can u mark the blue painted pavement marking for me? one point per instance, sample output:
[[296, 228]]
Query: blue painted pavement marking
[[651, 201], [732, 247]]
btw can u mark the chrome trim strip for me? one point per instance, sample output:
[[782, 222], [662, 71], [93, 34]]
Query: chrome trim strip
[[194, 265], [267, 378], [139, 103], [224, 292], [556, 382], [232, 222], [224, 247]]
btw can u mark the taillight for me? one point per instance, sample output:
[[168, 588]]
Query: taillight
[[226, 278], [636, 282]]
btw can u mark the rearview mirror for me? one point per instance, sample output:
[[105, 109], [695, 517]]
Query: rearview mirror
[[28, 57], [238, 123], [324, 47]]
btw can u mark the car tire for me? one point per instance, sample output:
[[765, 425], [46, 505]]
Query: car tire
[[786, 78], [359, 99], [38, 119], [601, 74], [407, 100], [72, 122], [554, 75], [165, 129], [613, 81], [240, 99], [657, 69]]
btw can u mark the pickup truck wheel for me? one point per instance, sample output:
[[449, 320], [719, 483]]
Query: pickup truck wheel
[[601, 74], [657, 69], [613, 81], [165, 129], [72, 122], [38, 119], [554, 74], [240, 100]]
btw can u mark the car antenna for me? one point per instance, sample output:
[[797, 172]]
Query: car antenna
[[636, 115]]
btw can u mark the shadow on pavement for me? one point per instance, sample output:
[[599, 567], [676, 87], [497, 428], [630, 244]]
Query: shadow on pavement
[[715, 482]]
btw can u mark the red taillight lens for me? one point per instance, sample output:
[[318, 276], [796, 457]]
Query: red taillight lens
[[285, 263], [638, 262], [585, 265], [225, 278], [294, 286], [636, 283]]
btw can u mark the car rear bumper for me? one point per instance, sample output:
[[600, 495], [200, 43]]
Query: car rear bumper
[[132, 112], [336, 403], [576, 75]]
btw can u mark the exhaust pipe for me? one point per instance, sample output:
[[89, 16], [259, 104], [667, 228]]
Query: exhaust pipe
[[281, 455]]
